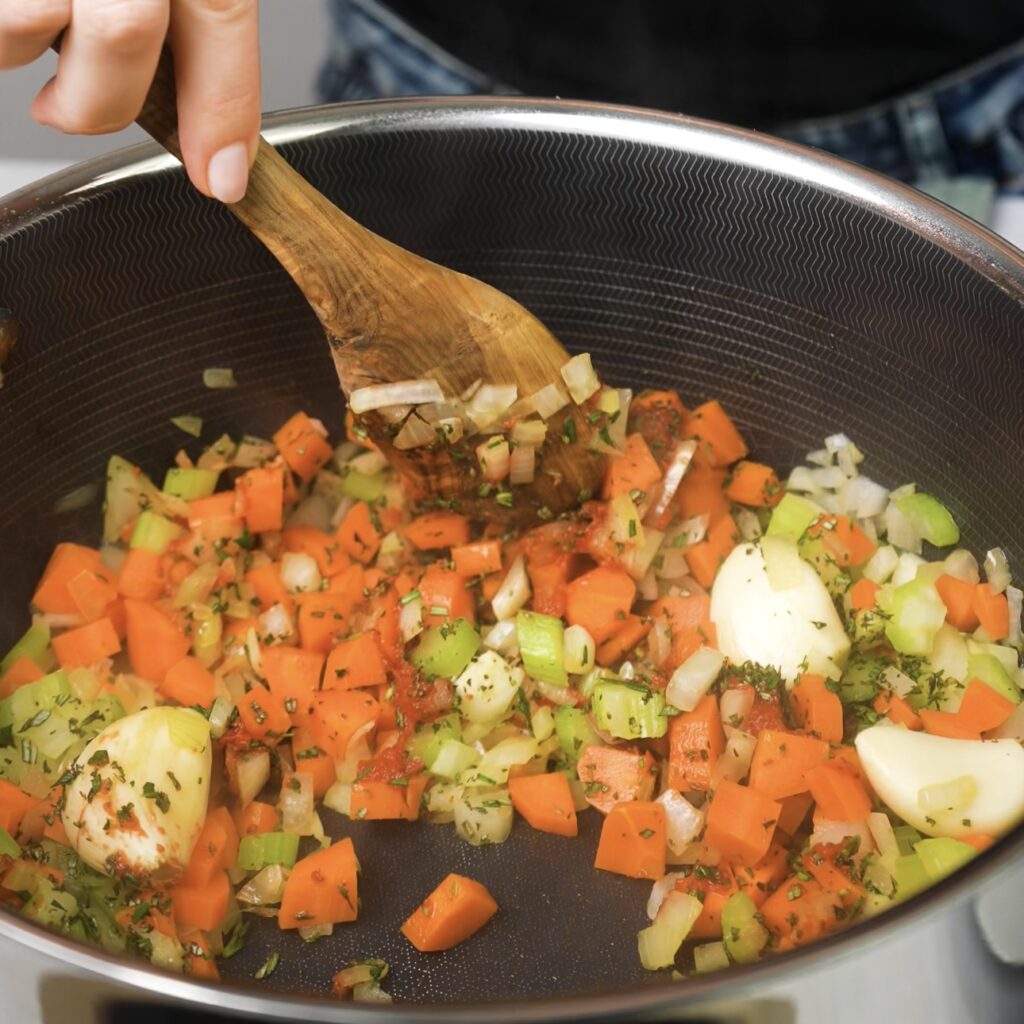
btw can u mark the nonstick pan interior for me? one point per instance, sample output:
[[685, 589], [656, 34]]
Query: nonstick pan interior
[[806, 296]]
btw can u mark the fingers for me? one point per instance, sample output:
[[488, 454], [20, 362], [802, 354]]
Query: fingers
[[216, 63], [107, 60], [28, 27]]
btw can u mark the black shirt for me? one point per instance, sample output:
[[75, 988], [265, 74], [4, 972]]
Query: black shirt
[[751, 62]]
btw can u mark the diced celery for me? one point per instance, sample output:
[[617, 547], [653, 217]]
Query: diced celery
[[483, 816], [910, 876], [906, 837], [446, 650], [916, 613], [542, 646], [629, 711], [929, 518], [659, 943], [190, 483], [710, 956], [8, 847], [29, 700], [860, 679], [943, 856], [426, 742], [988, 669], [793, 515], [574, 732], [35, 644], [494, 766], [154, 532], [256, 852], [744, 936], [362, 487], [453, 757]]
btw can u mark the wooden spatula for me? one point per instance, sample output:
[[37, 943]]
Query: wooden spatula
[[392, 316]]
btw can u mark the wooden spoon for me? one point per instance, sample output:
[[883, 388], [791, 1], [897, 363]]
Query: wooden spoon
[[390, 316]]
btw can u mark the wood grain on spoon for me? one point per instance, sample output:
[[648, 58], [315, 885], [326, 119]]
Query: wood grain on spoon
[[390, 315]]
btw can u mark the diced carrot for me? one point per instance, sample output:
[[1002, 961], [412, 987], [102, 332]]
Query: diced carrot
[[837, 793], [628, 635], [265, 580], [612, 775], [356, 662], [763, 877], [324, 616], [897, 709], [719, 439], [545, 801], [712, 886], [702, 492], [863, 595], [87, 644], [800, 911], [978, 840], [435, 530], [302, 446], [210, 854], [550, 583], [262, 493], [92, 592], [357, 534], [312, 761], [293, 678], [705, 558], [325, 550], [689, 623], [634, 470], [782, 760], [765, 713], [982, 708], [445, 596], [14, 805], [199, 958], [599, 601], [458, 908], [633, 840], [220, 508], [202, 906], [741, 822], [820, 863], [481, 557], [66, 562], [255, 818], [752, 483], [958, 597], [190, 683], [264, 717], [338, 715], [816, 708], [696, 741], [659, 416], [142, 575], [22, 670], [844, 540], [322, 888], [154, 641], [381, 801], [794, 812], [946, 723], [993, 612]]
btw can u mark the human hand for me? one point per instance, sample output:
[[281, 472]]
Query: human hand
[[107, 59]]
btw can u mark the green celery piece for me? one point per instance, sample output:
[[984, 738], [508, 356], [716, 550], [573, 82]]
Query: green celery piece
[[574, 732], [154, 532], [793, 515], [8, 847], [453, 757], [629, 711], [906, 836], [744, 936], [27, 701], [942, 856], [859, 681], [916, 614], [541, 643], [988, 669], [361, 486], [447, 649], [930, 518], [426, 742], [35, 644], [256, 852], [190, 483], [910, 875]]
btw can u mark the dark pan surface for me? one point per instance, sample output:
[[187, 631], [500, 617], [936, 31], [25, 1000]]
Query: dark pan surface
[[804, 295]]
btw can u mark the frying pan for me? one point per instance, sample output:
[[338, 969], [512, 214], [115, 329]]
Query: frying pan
[[809, 295]]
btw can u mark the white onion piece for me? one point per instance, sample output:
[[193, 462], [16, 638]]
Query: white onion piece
[[494, 457], [962, 565], [58, 620], [900, 531], [863, 498], [906, 568], [437, 411], [253, 452], [502, 637], [403, 392], [748, 524], [415, 433], [693, 678], [252, 649], [997, 570], [451, 429], [561, 695], [883, 834], [580, 378], [410, 619], [803, 481], [490, 403], [253, 773], [899, 682], [579, 650], [829, 831], [220, 713], [734, 705], [275, 623], [219, 377], [734, 763], [343, 508], [522, 465], [370, 462], [1015, 600], [819, 457], [514, 591], [312, 932], [882, 564], [627, 671], [647, 588], [661, 888], [531, 432], [548, 401], [339, 798], [299, 572], [265, 887], [683, 821], [296, 804]]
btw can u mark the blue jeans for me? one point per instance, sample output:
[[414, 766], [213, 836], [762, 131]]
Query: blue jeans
[[968, 126]]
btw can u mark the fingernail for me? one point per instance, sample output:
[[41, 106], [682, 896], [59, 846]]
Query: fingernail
[[228, 173]]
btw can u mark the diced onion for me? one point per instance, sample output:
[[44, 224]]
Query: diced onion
[[962, 565], [415, 433], [734, 762], [709, 957], [899, 530], [403, 392], [748, 524], [734, 705], [410, 619], [265, 887], [80, 497], [883, 834], [275, 623], [899, 682], [312, 932], [514, 591], [395, 414], [299, 572], [579, 650], [253, 773], [339, 798], [997, 570], [803, 481], [548, 401], [863, 498], [580, 378], [451, 428], [220, 714], [490, 403], [483, 816], [882, 564], [674, 473], [192, 425], [217, 377], [253, 452], [522, 465], [1015, 602], [502, 637], [829, 831], [659, 943], [564, 696], [296, 804], [494, 457], [648, 586], [531, 432], [947, 796], [683, 822], [660, 890], [693, 678]]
